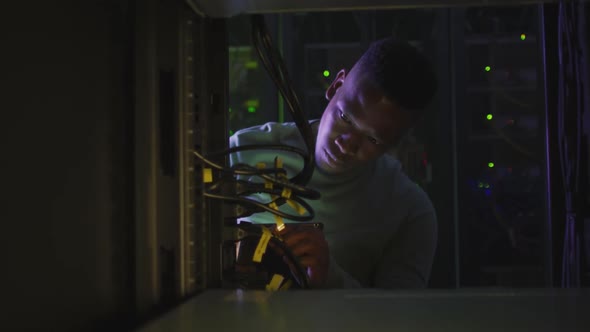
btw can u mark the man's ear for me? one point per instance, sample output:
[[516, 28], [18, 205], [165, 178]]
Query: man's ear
[[337, 83]]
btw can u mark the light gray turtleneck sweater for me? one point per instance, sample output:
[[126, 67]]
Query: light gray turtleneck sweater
[[380, 226]]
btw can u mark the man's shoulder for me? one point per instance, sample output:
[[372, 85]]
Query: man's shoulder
[[266, 129], [270, 132], [404, 188], [389, 169]]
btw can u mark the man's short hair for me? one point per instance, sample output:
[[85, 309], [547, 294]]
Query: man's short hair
[[403, 74]]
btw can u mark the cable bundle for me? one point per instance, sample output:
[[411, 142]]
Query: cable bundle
[[275, 182], [242, 189], [277, 259], [272, 61]]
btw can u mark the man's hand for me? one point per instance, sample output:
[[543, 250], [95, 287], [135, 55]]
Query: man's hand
[[310, 247]]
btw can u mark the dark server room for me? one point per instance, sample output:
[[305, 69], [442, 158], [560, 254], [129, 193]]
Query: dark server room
[[254, 165]]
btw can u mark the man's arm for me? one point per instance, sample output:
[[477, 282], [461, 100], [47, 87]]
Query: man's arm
[[407, 259], [311, 248], [338, 278]]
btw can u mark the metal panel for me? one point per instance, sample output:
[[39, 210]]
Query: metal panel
[[228, 8], [147, 292], [214, 134], [180, 106], [189, 127]]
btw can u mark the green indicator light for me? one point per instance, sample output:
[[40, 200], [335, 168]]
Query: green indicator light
[[480, 185], [522, 36], [326, 73], [252, 103], [251, 65], [251, 109], [491, 165], [488, 68], [230, 109], [489, 116], [487, 186], [231, 132]]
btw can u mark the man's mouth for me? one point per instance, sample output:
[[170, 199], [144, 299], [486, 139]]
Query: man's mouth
[[332, 159]]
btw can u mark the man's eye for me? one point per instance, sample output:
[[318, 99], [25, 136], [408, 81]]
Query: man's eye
[[344, 117], [373, 140]]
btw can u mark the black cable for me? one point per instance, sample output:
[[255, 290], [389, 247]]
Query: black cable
[[298, 275], [276, 68], [278, 74], [254, 230], [299, 190], [303, 277], [265, 208], [245, 169], [277, 71], [247, 188], [259, 147], [259, 187]]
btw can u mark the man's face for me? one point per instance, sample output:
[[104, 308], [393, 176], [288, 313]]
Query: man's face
[[358, 125]]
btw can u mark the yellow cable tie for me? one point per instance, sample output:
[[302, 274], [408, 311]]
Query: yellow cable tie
[[262, 244], [286, 285], [278, 219], [279, 166], [275, 283], [280, 223], [286, 193], [207, 175], [296, 206], [267, 184]]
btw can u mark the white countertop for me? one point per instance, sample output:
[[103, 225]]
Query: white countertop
[[375, 311]]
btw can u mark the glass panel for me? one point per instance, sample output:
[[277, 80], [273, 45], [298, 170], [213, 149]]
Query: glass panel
[[252, 95], [489, 92], [502, 178]]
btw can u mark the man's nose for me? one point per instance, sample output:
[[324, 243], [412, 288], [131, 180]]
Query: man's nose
[[348, 143]]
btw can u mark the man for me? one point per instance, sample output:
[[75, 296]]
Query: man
[[379, 226]]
